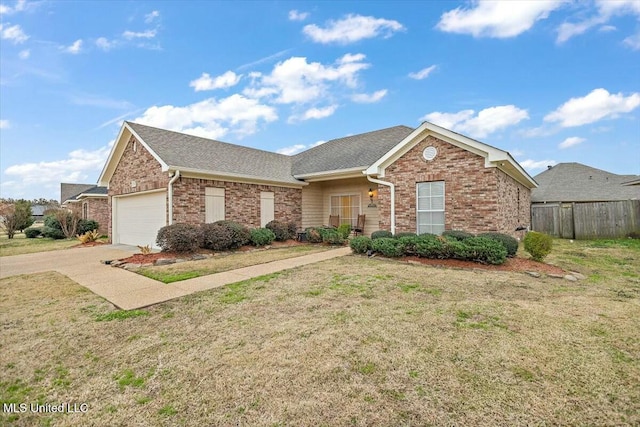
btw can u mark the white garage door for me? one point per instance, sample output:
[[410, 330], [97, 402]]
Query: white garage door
[[138, 218]]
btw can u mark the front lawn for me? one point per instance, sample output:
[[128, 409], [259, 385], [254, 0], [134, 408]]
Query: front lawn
[[350, 341], [21, 245], [225, 261]]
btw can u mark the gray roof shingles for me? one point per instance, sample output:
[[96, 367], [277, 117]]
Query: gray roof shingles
[[575, 182]]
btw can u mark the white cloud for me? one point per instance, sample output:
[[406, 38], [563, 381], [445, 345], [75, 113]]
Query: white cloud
[[369, 98], [487, 121], [98, 101], [571, 141], [598, 104], [13, 33], [74, 48], [314, 113], [4, 124], [532, 165], [297, 81], [148, 34], [8, 10], [294, 15], [424, 73], [289, 151], [105, 44], [516, 153], [500, 19], [151, 16], [24, 54], [566, 30], [211, 118], [633, 41], [205, 82], [607, 9], [607, 28], [352, 28]]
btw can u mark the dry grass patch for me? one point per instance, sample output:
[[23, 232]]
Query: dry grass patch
[[350, 341], [225, 262], [21, 245]]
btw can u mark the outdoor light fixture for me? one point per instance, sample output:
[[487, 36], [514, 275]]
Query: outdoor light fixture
[[371, 204]]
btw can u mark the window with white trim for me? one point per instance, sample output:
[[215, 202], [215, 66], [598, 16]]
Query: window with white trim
[[347, 206], [213, 204], [85, 210], [430, 207]]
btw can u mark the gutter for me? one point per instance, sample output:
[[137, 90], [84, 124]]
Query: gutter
[[393, 200], [173, 179]]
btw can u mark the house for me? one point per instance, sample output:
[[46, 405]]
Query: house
[[37, 212], [426, 179], [578, 201], [88, 201]]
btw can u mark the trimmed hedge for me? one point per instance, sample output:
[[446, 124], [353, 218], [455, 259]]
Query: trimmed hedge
[[314, 235], [510, 243], [538, 245], [281, 230], [360, 244], [332, 236], [179, 238], [405, 234], [344, 230], [430, 246], [388, 246], [380, 234], [456, 234], [32, 233], [224, 235], [261, 236], [52, 233], [85, 225]]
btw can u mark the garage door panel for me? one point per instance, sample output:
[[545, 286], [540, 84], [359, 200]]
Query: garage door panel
[[138, 218]]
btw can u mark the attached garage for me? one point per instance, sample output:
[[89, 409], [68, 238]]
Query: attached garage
[[137, 218]]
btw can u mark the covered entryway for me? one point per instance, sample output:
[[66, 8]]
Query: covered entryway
[[137, 218]]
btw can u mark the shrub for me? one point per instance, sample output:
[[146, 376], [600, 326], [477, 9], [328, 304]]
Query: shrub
[[261, 236], [89, 236], [52, 233], [344, 230], [360, 244], [409, 241], [405, 234], [64, 221], [224, 235], [332, 237], [510, 243], [429, 246], [388, 246], [456, 234], [179, 238], [314, 235], [634, 235], [485, 250], [32, 233], [538, 245], [292, 228], [380, 234], [85, 225], [280, 229]]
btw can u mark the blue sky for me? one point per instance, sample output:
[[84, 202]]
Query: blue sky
[[549, 81]]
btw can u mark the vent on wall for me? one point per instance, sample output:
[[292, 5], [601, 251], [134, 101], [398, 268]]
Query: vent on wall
[[430, 153]]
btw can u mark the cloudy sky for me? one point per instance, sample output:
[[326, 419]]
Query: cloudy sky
[[549, 81]]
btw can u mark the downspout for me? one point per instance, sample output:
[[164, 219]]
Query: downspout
[[173, 179], [393, 200]]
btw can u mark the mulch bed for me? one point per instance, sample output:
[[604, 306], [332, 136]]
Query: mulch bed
[[89, 244], [512, 264]]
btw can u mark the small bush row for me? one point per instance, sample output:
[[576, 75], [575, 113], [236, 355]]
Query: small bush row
[[53, 229], [282, 230]]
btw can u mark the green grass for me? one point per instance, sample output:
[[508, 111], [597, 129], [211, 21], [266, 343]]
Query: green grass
[[129, 379], [119, 315], [21, 245], [171, 277]]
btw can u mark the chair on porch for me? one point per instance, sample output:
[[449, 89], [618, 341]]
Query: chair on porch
[[359, 228], [334, 221]]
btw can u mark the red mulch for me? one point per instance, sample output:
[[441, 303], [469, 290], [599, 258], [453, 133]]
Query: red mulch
[[89, 244], [512, 264]]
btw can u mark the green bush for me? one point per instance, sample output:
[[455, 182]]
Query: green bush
[[405, 234], [360, 244], [224, 235], [409, 242], [32, 233], [280, 229], [388, 246], [538, 245], [344, 230], [484, 250], [51, 222], [52, 233], [314, 235], [510, 243], [261, 236], [332, 237], [292, 228], [85, 225], [456, 234], [380, 234], [179, 238], [429, 246]]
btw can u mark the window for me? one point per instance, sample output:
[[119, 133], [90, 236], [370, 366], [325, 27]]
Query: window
[[213, 204], [347, 207], [85, 210], [430, 207]]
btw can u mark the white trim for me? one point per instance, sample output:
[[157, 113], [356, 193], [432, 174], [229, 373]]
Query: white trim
[[173, 179], [335, 174], [91, 196], [359, 194], [157, 190], [392, 188], [234, 177], [444, 204]]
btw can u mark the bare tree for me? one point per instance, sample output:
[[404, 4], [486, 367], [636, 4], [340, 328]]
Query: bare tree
[[9, 218], [68, 223]]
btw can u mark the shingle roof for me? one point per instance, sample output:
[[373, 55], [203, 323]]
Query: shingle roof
[[575, 182], [186, 151], [102, 191], [350, 152], [69, 191]]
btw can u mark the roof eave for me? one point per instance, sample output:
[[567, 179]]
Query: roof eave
[[331, 175], [235, 177]]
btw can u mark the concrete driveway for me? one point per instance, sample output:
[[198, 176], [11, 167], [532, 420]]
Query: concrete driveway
[[127, 290]]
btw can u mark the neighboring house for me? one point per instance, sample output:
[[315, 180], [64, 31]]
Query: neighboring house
[[426, 179], [91, 202], [577, 201], [37, 212]]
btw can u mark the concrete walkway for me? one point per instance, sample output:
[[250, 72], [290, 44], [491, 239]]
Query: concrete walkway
[[127, 290]]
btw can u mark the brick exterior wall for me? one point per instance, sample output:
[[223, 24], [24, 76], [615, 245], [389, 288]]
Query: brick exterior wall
[[477, 199], [242, 201], [97, 210]]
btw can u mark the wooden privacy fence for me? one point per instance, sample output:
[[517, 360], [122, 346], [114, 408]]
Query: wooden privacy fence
[[587, 220]]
